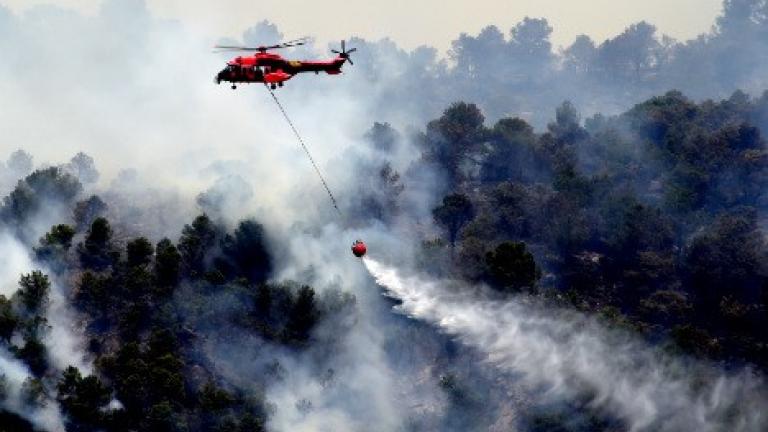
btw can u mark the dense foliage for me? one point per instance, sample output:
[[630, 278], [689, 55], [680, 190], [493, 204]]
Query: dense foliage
[[652, 218], [147, 308]]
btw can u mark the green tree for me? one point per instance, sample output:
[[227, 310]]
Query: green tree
[[579, 58], [455, 212], [55, 243], [564, 223], [82, 399], [44, 186], [378, 196], [512, 204], [454, 139], [98, 252], [93, 292], [53, 183], [668, 307], [630, 227], [213, 398], [695, 340], [87, 211], [632, 55], [512, 268], [127, 369], [572, 184], [84, 168], [383, 137], [303, 315], [139, 252], [512, 154], [60, 235], [567, 128], [529, 42], [469, 55], [33, 291], [196, 242], [247, 249], [165, 378], [8, 320], [167, 263], [34, 354], [161, 418], [728, 258]]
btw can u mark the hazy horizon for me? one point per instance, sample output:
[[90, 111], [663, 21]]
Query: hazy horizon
[[413, 24]]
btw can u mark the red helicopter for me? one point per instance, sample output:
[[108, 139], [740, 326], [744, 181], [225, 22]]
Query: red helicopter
[[272, 69]]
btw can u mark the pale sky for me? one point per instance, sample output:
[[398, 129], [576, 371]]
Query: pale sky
[[414, 22]]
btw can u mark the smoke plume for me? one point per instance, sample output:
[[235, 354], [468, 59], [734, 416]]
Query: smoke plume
[[567, 354]]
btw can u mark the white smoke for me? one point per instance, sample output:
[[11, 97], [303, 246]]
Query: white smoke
[[13, 377], [346, 386], [568, 354], [14, 261], [359, 392], [200, 137], [154, 97], [63, 341]]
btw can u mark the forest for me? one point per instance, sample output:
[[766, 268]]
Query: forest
[[622, 182], [651, 220], [145, 306]]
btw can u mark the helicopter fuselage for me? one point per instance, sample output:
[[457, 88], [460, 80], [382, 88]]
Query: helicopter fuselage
[[272, 69]]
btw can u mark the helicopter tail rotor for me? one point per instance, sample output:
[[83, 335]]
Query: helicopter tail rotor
[[344, 53]]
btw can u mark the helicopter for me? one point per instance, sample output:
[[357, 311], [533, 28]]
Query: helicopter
[[274, 70]]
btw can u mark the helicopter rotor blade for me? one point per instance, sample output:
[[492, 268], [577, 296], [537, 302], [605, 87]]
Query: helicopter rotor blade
[[288, 44], [294, 42], [234, 48], [301, 40], [240, 48]]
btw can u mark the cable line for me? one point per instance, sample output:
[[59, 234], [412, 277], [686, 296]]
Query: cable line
[[306, 150]]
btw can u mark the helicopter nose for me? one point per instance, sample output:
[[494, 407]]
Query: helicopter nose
[[221, 76]]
